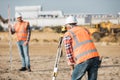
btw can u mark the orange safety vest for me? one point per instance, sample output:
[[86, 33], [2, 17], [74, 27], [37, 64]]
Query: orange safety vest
[[83, 46], [21, 30]]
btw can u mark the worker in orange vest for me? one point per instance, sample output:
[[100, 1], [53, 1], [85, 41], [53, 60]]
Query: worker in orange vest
[[82, 55], [23, 32]]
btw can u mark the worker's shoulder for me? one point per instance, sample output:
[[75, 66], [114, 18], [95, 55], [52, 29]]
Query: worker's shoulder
[[82, 27], [26, 22], [68, 33]]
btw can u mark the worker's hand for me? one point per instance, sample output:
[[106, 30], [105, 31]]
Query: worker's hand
[[100, 61], [71, 73], [25, 43], [9, 26], [72, 68]]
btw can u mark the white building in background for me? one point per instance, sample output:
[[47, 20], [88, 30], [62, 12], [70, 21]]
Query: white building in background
[[37, 17], [29, 12]]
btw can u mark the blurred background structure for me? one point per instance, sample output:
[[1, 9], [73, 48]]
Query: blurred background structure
[[37, 17]]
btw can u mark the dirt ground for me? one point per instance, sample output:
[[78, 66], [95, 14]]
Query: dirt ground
[[43, 48]]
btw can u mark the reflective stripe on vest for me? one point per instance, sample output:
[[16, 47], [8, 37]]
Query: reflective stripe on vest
[[79, 43], [85, 53]]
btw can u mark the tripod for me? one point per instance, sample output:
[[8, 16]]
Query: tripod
[[59, 53]]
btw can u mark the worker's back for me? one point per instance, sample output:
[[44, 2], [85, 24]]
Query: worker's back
[[82, 43]]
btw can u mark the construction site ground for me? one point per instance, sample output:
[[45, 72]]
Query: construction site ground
[[43, 48]]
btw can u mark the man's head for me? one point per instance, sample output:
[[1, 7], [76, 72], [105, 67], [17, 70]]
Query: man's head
[[70, 22], [18, 16]]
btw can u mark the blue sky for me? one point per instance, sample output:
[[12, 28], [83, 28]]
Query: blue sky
[[67, 6]]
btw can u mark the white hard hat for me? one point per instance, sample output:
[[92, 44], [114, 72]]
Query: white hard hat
[[71, 19], [18, 15]]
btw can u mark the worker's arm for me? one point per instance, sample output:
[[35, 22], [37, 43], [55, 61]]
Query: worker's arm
[[11, 29], [69, 50], [29, 33], [28, 36]]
